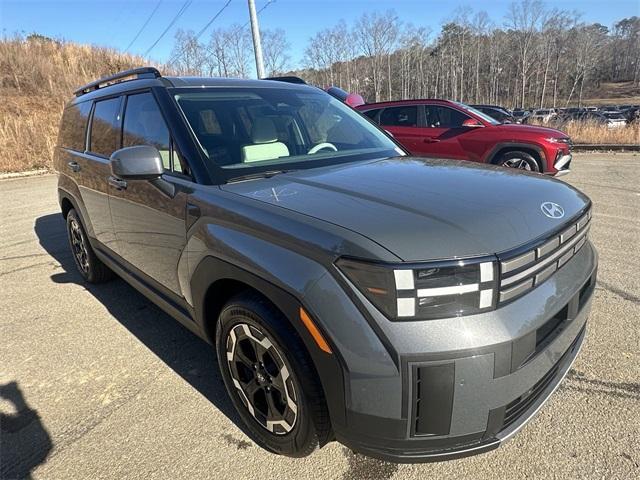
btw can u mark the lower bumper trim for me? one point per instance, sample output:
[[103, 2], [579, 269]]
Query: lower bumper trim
[[426, 453]]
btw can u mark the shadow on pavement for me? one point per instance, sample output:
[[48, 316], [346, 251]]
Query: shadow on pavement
[[24, 441], [189, 356]]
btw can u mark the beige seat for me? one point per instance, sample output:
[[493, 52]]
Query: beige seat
[[265, 144]]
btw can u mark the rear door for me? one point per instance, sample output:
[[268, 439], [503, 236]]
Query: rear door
[[148, 217], [103, 139], [403, 122]]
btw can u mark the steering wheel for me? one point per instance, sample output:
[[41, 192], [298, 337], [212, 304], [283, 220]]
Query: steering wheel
[[322, 146]]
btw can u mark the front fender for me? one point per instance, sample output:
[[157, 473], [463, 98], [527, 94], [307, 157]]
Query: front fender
[[285, 296]]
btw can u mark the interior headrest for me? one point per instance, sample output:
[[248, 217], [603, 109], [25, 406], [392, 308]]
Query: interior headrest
[[263, 131]]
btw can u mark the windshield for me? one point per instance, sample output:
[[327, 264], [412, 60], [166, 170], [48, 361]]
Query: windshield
[[273, 128], [478, 113]]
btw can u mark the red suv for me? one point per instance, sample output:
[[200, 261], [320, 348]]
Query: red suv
[[447, 129]]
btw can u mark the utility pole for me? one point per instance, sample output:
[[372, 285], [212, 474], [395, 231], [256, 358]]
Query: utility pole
[[257, 46]]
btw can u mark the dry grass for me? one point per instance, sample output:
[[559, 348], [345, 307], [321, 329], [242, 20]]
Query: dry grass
[[37, 77], [589, 133]]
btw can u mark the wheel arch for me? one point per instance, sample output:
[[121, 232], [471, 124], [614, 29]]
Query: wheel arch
[[68, 200], [534, 150], [215, 281]]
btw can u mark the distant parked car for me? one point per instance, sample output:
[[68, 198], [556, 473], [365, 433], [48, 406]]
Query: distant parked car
[[596, 118], [447, 129], [501, 114], [543, 115], [520, 114], [615, 119], [632, 114]]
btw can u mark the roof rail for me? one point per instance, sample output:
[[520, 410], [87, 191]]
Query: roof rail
[[289, 79], [133, 74]]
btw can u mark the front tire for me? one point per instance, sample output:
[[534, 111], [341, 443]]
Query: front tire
[[519, 160], [88, 264], [275, 390]]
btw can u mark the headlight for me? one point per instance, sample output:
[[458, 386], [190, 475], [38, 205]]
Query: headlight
[[426, 291], [565, 140]]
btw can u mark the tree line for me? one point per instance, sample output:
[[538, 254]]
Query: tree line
[[537, 56]]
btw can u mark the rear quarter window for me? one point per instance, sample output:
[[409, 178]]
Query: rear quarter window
[[372, 114], [406, 116], [73, 126], [105, 127]]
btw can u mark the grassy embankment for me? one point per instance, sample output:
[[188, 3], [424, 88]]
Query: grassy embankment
[[37, 77]]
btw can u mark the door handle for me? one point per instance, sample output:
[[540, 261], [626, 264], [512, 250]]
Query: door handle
[[430, 140], [117, 183], [74, 166]]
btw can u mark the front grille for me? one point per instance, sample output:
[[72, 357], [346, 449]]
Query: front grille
[[520, 405], [527, 270]]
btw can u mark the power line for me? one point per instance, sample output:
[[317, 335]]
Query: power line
[[143, 26], [202, 30], [269, 2], [177, 16]]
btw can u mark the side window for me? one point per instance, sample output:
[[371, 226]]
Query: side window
[[105, 127], [144, 125], [400, 116], [372, 114], [443, 117], [73, 127]]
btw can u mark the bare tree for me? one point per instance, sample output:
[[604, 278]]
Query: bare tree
[[275, 48], [524, 19], [377, 35]]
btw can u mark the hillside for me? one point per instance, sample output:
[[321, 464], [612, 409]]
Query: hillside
[[613, 93], [37, 77]]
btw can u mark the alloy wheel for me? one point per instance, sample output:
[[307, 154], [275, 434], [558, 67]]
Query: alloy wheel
[[78, 243], [519, 163], [262, 378]]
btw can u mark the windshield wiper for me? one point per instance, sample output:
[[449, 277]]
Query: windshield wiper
[[256, 175]]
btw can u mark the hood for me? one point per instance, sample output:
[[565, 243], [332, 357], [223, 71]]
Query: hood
[[423, 209], [519, 129]]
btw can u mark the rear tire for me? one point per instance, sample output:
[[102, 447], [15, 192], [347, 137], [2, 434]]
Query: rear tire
[[275, 390], [88, 264], [519, 160]]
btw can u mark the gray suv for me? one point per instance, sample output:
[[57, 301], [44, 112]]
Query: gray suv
[[411, 309]]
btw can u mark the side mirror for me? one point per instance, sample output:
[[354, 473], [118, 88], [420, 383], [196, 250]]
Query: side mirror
[[472, 123], [142, 162]]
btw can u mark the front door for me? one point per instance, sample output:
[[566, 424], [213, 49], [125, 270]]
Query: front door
[[149, 216], [444, 132]]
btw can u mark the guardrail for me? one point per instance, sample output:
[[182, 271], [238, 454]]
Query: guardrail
[[600, 147]]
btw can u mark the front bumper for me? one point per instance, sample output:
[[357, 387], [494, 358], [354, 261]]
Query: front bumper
[[464, 385]]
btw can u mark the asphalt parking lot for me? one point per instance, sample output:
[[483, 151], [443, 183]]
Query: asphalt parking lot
[[96, 382]]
